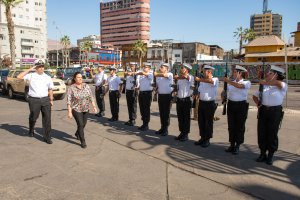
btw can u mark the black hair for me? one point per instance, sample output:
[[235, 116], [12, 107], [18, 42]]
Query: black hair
[[74, 77], [280, 76]]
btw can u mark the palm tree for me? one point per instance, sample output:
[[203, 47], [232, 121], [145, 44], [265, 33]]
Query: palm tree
[[244, 35], [10, 26], [141, 50], [239, 34], [65, 42], [86, 47]]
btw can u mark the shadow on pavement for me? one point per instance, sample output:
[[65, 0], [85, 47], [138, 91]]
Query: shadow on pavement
[[23, 131], [213, 158]]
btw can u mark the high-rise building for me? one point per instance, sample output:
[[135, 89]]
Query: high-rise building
[[266, 24], [124, 21], [30, 21]]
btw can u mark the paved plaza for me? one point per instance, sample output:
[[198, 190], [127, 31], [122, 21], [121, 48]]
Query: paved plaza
[[122, 163]]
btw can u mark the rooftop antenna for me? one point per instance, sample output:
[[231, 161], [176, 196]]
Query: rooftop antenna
[[265, 8]]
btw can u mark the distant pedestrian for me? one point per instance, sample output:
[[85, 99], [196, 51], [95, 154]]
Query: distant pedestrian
[[115, 89], [100, 80], [270, 113], [79, 101], [164, 81], [40, 97], [207, 106], [144, 83], [237, 109]]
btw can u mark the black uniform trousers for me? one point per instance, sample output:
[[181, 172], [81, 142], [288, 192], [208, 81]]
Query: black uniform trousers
[[131, 98], [37, 105], [237, 112], [145, 98], [268, 125], [114, 103], [164, 105], [99, 93], [206, 112], [81, 119], [183, 108]]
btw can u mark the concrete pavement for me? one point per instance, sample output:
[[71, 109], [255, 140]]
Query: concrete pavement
[[122, 163]]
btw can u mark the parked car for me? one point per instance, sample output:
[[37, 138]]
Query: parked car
[[3, 79], [66, 74], [17, 86]]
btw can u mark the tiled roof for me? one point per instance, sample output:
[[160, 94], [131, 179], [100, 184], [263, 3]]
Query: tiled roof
[[291, 52], [265, 41]]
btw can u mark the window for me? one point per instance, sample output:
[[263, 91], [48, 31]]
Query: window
[[36, 19], [177, 55], [21, 31]]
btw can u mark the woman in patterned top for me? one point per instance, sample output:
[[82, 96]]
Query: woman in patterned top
[[79, 98]]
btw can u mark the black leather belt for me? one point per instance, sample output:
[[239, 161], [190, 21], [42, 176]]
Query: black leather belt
[[38, 97], [145, 92], [271, 107], [207, 101], [237, 102]]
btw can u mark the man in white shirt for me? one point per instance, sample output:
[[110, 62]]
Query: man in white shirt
[[207, 95], [144, 83], [115, 89], [100, 80], [164, 81], [40, 98], [185, 81], [131, 93]]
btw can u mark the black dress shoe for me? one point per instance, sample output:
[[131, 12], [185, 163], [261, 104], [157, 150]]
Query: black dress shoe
[[262, 157], [184, 138], [31, 133], [144, 128], [269, 159], [130, 123], [205, 144], [158, 132], [164, 133], [199, 142], [48, 141], [229, 149], [236, 150], [179, 136], [112, 119]]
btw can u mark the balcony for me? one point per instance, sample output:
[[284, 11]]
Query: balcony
[[28, 44], [27, 51]]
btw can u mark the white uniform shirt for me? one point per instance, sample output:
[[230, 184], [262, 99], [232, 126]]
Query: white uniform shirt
[[145, 82], [208, 91], [164, 85], [113, 82], [184, 87], [239, 94], [99, 78], [38, 84], [129, 82], [272, 95]]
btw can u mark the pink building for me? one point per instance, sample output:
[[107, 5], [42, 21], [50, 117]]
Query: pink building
[[124, 21]]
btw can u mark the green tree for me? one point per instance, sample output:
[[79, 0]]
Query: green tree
[[86, 47], [65, 42], [141, 50], [243, 35], [11, 28]]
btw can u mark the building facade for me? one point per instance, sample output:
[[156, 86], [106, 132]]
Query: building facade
[[94, 39], [30, 21], [266, 24], [217, 51], [296, 36], [191, 51], [124, 21]]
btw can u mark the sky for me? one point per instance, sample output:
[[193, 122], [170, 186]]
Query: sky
[[208, 21]]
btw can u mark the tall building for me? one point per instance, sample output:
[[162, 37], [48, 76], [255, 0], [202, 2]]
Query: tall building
[[30, 21], [94, 39], [124, 22], [266, 24]]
